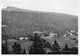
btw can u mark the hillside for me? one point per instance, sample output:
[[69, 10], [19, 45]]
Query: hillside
[[20, 22]]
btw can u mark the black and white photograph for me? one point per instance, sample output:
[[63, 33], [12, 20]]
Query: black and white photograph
[[43, 27]]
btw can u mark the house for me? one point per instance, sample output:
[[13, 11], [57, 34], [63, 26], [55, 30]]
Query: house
[[72, 31], [64, 35], [21, 38], [26, 38]]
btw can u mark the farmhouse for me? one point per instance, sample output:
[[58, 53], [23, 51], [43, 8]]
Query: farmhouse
[[23, 38]]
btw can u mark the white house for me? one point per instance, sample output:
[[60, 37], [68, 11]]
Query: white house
[[72, 31], [64, 35], [21, 38], [26, 38]]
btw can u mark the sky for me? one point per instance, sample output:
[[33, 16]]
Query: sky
[[60, 6]]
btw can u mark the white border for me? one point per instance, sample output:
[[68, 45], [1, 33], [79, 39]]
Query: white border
[[47, 55]]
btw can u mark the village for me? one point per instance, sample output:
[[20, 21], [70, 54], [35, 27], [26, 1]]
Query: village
[[51, 34], [47, 35]]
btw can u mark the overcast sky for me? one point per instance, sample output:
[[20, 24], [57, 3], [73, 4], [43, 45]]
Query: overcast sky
[[61, 6]]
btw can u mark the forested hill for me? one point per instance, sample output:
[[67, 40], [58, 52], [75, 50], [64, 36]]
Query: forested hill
[[22, 22]]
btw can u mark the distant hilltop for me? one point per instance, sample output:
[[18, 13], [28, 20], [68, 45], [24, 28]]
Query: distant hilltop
[[22, 22], [10, 8]]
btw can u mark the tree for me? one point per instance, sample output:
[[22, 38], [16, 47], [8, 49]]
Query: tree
[[55, 46], [66, 47], [16, 48], [5, 48], [24, 52], [46, 44], [66, 50], [37, 46]]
